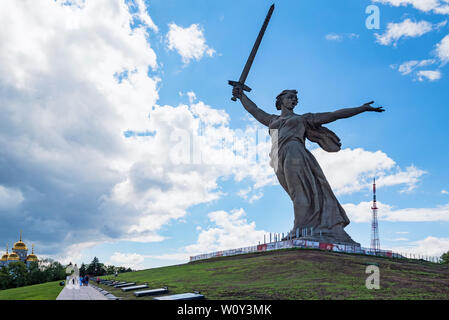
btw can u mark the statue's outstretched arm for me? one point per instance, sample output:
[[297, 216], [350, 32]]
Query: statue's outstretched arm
[[251, 107], [326, 117]]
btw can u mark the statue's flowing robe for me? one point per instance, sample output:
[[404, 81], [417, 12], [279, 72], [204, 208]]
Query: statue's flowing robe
[[299, 173]]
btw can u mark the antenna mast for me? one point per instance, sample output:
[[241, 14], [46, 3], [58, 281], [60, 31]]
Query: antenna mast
[[375, 244]]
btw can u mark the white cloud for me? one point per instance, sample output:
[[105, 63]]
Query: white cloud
[[74, 253], [245, 194], [431, 75], [10, 198], [404, 29], [440, 25], [442, 52], [127, 260], [442, 9], [409, 66], [255, 197], [182, 257], [144, 16], [430, 246], [189, 42], [230, 230], [64, 112], [340, 37], [444, 192], [362, 213], [410, 29], [442, 49], [436, 6], [333, 37], [192, 97], [352, 170], [410, 178], [192, 148]]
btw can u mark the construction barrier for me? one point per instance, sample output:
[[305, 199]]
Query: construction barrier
[[297, 243]]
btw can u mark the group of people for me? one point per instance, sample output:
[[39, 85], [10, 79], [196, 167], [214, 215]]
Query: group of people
[[84, 281], [74, 277]]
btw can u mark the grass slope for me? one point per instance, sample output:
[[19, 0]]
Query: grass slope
[[296, 274], [43, 291]]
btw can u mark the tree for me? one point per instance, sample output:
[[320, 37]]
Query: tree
[[96, 268], [110, 269], [5, 278], [123, 269], [51, 270], [18, 274], [35, 275], [82, 270], [56, 271], [445, 258]]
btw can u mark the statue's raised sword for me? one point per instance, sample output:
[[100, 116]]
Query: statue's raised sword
[[249, 62]]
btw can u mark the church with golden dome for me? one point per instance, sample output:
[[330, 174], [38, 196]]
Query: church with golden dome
[[19, 253]]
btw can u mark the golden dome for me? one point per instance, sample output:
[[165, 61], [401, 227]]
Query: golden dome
[[32, 257], [20, 245], [13, 257], [6, 255]]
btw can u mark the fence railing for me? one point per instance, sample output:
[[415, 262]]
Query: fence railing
[[299, 243]]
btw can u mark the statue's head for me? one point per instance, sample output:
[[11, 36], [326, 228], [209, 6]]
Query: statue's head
[[287, 99]]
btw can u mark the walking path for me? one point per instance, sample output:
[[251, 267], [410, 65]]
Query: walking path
[[80, 293]]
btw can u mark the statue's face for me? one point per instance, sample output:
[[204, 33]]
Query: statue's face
[[290, 100]]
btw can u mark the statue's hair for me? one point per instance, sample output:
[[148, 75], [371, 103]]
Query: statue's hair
[[279, 97]]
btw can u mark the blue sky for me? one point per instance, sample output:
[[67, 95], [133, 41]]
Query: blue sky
[[93, 93]]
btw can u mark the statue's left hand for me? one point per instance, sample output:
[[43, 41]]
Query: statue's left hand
[[375, 109], [379, 109]]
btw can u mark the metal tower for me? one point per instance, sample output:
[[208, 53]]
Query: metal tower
[[375, 244]]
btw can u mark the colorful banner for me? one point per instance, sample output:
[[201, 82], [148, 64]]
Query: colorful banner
[[326, 246], [339, 248]]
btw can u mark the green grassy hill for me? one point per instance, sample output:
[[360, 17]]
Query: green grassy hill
[[296, 274], [43, 291]]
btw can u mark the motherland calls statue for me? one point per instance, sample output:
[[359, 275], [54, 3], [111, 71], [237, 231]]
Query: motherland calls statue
[[316, 208], [318, 214]]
